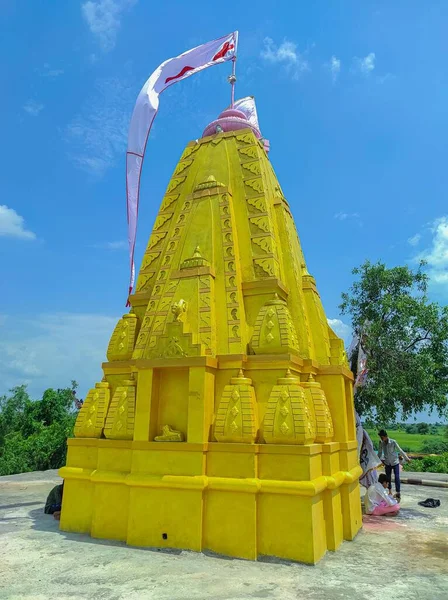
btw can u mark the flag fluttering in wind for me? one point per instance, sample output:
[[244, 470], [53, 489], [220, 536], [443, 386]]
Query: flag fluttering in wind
[[247, 106], [357, 351], [169, 72]]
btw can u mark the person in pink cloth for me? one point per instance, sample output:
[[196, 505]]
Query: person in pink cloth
[[379, 501]]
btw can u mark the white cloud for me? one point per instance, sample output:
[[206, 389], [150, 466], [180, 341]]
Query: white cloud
[[287, 55], [414, 240], [119, 245], [436, 255], [103, 18], [33, 108], [342, 216], [13, 225], [48, 71], [364, 65], [97, 136], [341, 329], [335, 67], [49, 350]]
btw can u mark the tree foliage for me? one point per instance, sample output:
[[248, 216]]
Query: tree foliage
[[33, 434], [405, 337]]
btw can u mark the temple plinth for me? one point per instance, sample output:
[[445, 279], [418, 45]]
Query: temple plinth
[[225, 417]]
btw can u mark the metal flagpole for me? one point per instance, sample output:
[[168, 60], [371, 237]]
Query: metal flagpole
[[232, 80]]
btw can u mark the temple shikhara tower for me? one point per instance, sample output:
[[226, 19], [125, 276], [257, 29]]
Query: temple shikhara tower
[[225, 419]]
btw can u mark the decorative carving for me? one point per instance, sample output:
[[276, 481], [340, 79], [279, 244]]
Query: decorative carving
[[165, 303], [288, 419], [205, 299], [261, 223], [144, 279], [182, 166], [236, 418], [169, 435], [158, 324], [258, 203], [120, 418], [161, 220], [255, 184], [245, 138], [171, 288], [264, 267], [179, 309], [168, 201], [210, 182], [189, 150], [204, 283], [265, 243], [174, 343], [253, 167], [324, 421], [197, 260], [155, 240], [173, 348], [174, 183], [148, 259], [122, 342], [274, 332], [251, 151], [141, 340], [205, 318], [92, 416]]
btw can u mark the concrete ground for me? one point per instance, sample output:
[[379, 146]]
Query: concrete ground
[[398, 558]]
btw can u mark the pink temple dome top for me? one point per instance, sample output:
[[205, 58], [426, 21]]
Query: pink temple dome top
[[230, 119]]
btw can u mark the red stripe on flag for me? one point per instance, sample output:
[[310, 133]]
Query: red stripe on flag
[[181, 74], [227, 46]]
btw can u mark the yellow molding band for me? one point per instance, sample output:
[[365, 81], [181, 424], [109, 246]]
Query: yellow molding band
[[197, 483], [248, 486], [228, 484], [75, 473]]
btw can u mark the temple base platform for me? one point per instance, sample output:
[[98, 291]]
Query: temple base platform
[[241, 500]]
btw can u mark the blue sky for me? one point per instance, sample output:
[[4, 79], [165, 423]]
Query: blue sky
[[352, 96]]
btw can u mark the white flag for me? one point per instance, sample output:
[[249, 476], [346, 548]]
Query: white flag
[[247, 106], [169, 72]]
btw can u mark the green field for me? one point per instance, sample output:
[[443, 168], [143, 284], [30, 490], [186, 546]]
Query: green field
[[409, 442]]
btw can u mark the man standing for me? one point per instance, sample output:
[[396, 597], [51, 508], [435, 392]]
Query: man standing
[[389, 452]]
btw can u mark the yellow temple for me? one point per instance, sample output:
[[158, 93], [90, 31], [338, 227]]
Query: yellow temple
[[225, 419]]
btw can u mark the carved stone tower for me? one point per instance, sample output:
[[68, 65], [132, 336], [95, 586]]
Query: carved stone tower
[[225, 417]]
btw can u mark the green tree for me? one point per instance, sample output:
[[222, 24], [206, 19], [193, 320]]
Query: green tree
[[405, 338], [33, 434]]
